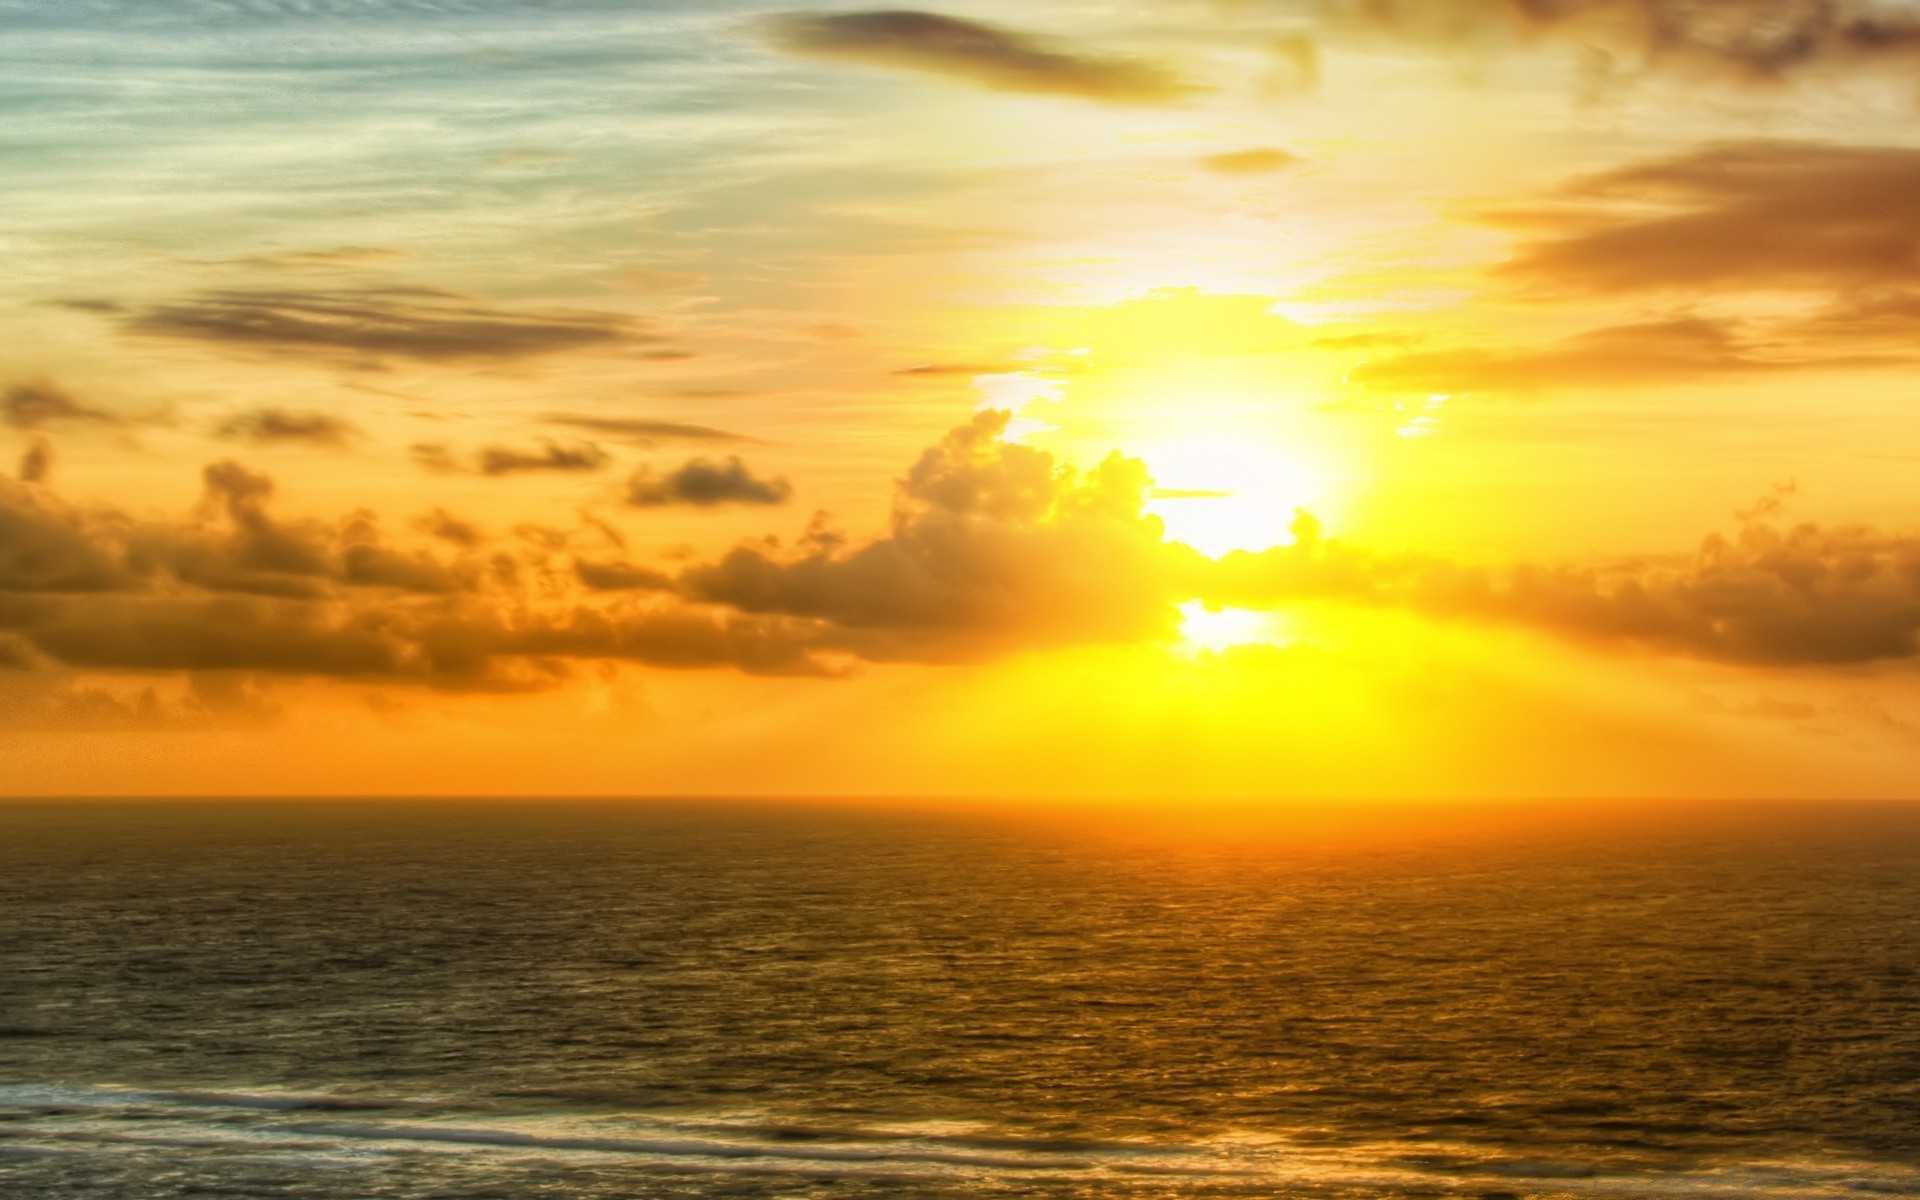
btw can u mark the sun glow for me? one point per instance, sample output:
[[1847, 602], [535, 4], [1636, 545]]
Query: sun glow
[[1204, 628], [1218, 494]]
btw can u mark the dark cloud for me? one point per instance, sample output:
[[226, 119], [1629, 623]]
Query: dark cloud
[[47, 546], [448, 528], [1760, 215], [233, 588], [968, 369], [1753, 40], [704, 483], [1260, 161], [34, 405], [1672, 351], [994, 547], [581, 456], [37, 463], [270, 425], [644, 432], [621, 577], [985, 55], [405, 324], [507, 460]]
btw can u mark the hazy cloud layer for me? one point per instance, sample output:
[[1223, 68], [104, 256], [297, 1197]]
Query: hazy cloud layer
[[403, 324], [705, 483], [1748, 215], [985, 55], [1260, 161], [1655, 352]]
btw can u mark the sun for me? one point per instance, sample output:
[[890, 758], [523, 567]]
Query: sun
[[1219, 494], [1218, 629]]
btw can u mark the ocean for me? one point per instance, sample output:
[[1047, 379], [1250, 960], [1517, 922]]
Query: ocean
[[349, 1001]]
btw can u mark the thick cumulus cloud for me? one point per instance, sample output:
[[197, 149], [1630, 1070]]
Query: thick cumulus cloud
[[994, 547], [704, 483], [985, 55], [1773, 594], [1759, 215], [233, 587], [1756, 40], [376, 324]]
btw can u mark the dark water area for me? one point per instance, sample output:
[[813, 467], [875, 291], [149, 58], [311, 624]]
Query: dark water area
[[349, 1001]]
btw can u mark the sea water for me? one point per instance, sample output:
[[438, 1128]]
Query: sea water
[[385, 999]]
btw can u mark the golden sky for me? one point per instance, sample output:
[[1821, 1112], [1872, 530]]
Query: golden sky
[[1265, 399]]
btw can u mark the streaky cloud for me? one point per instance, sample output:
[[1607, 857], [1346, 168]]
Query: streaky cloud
[[644, 432], [985, 55], [377, 323]]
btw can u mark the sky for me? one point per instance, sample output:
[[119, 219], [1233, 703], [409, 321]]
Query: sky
[[1153, 399]]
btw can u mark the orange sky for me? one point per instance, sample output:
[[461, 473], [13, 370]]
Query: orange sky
[[1265, 399]]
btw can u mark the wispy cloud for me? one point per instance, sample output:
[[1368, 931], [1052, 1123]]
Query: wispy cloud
[[404, 324], [985, 55], [643, 432]]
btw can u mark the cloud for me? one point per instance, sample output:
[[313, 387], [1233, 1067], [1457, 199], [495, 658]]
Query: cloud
[[1260, 161], [994, 547], [962, 369], [47, 546], [448, 528], [621, 577], [340, 258], [985, 55], [704, 483], [1672, 351], [231, 587], [1752, 215], [405, 324], [1773, 594], [644, 432], [271, 425], [1750, 40], [582, 456], [36, 464], [34, 405], [507, 460]]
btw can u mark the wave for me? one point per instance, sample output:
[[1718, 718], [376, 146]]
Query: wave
[[48, 1120]]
